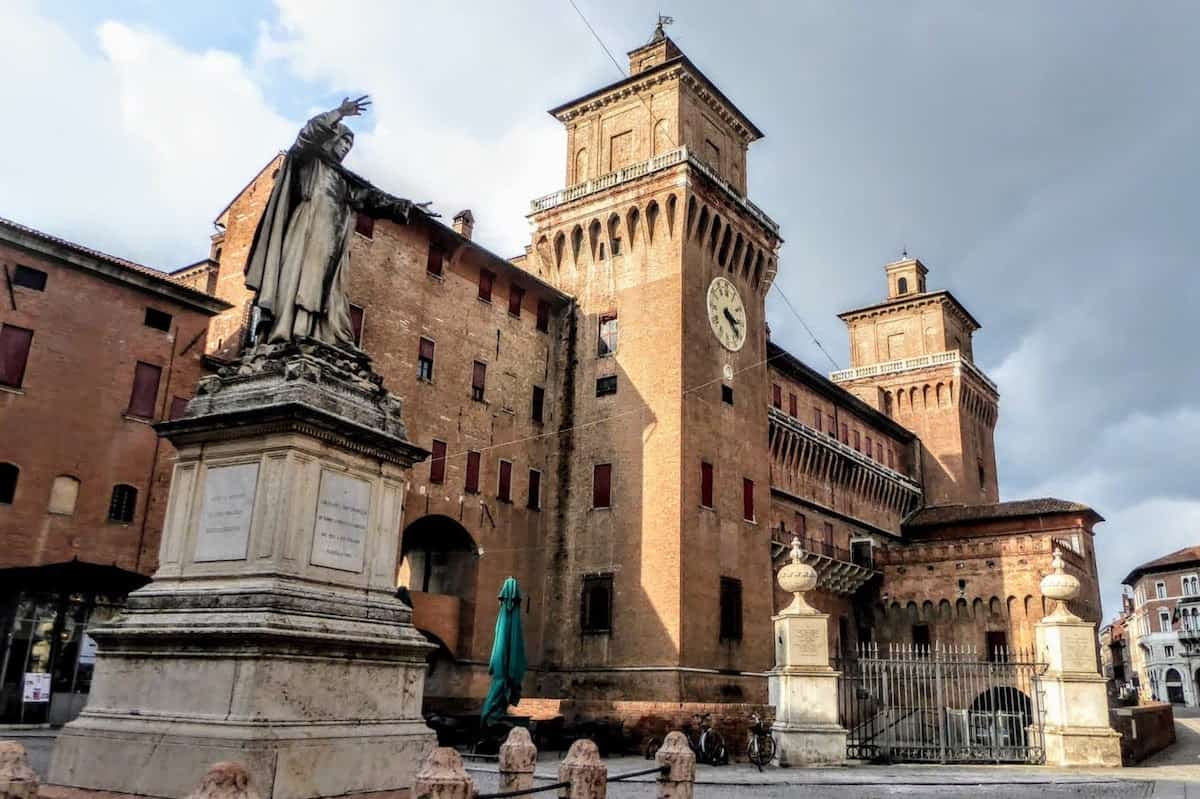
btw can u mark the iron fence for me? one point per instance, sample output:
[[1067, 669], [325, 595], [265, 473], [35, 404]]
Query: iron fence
[[942, 705]]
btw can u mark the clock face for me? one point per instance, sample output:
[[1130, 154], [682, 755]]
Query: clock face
[[726, 314]]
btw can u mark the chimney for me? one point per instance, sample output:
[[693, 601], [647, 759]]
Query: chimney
[[464, 223]]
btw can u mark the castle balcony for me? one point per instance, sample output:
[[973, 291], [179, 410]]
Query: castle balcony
[[950, 357], [640, 169], [800, 453], [837, 570]]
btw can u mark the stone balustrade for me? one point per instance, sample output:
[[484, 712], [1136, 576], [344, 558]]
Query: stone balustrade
[[909, 364]]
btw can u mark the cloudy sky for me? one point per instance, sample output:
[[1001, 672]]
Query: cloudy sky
[[1042, 159]]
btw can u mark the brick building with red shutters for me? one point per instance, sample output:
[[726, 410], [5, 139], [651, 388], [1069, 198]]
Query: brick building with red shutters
[[93, 350]]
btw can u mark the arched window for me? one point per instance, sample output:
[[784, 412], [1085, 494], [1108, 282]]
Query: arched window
[[902, 286], [8, 482], [123, 504], [63, 495]]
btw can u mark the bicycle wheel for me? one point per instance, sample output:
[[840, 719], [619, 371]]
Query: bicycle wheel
[[764, 746], [712, 748], [651, 747]]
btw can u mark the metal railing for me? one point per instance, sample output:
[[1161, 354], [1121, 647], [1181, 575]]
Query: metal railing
[[661, 771]]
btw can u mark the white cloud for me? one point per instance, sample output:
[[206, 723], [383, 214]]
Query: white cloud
[[1141, 532]]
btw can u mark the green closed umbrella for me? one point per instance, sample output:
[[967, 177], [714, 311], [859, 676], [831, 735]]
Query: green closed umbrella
[[507, 665]]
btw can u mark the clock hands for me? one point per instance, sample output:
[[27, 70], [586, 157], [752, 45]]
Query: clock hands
[[733, 322]]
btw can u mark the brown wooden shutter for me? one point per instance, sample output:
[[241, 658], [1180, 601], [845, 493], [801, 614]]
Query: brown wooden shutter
[[777, 396], [748, 499], [792, 406], [543, 316], [504, 489], [857, 441], [516, 296], [364, 225], [472, 485], [870, 449], [817, 419], [602, 485], [706, 485], [485, 284], [802, 525], [178, 406], [434, 263], [478, 380], [145, 390], [437, 465], [14, 354], [426, 349]]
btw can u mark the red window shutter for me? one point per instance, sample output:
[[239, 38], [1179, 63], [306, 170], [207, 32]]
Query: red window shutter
[[829, 533], [845, 434], [543, 316], [426, 349], [433, 265], [485, 284], [801, 526], [364, 225], [356, 323], [516, 296], [891, 460], [602, 485], [504, 489], [14, 354], [437, 465], [748, 499], [817, 419], [178, 406], [706, 485], [478, 380], [472, 485], [535, 490], [832, 426], [777, 396], [879, 452], [869, 448], [857, 441], [792, 406], [145, 390]]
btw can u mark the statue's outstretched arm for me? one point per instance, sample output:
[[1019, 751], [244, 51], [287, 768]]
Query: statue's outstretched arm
[[323, 127]]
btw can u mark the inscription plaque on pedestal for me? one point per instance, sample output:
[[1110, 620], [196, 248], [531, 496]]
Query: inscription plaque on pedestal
[[224, 530], [340, 535]]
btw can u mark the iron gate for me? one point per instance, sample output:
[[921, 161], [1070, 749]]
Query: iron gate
[[942, 705]]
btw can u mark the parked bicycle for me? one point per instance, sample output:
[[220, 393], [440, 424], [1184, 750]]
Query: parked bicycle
[[760, 750], [706, 742]]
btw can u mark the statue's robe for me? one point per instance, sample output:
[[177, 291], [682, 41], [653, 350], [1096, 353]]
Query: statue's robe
[[298, 259]]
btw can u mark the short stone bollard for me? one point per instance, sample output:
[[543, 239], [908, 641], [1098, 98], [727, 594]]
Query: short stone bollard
[[518, 757], [442, 776], [225, 781], [583, 768], [17, 779], [680, 781]]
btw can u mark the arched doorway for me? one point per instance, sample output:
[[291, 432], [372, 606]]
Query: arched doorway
[[438, 563], [1174, 686]]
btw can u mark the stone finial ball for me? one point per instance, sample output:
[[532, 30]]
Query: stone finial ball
[[1058, 584], [797, 577]]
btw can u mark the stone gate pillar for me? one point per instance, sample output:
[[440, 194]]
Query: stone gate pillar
[[803, 688], [1077, 731]]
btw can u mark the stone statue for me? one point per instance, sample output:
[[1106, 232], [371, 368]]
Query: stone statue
[[297, 262]]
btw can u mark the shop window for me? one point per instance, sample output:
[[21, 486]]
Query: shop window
[[543, 316], [30, 278], [486, 279], [472, 482], [748, 499], [516, 296], [159, 320], [607, 340], [123, 504], [145, 390], [14, 354], [731, 609], [425, 360], [9, 473], [606, 385], [478, 380], [595, 606], [706, 485], [602, 485], [534, 501], [504, 482], [539, 400], [437, 462]]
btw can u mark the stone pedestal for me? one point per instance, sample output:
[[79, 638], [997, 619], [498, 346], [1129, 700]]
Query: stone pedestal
[[803, 688], [1077, 731], [271, 635]]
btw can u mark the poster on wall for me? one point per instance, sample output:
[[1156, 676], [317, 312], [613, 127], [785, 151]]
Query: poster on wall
[[37, 687]]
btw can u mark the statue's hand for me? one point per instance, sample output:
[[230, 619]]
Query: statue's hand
[[425, 209], [354, 108]]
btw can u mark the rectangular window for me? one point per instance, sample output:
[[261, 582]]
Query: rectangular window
[[543, 316], [879, 452], [539, 399], [607, 341], [828, 531], [602, 485], [792, 405], [832, 427], [869, 451], [516, 296], [472, 483], [731, 609], [14, 354], [920, 636], [1169, 651], [801, 526], [356, 323], [425, 359], [747, 499], [478, 380], [364, 225], [1160, 590], [504, 483], [30, 278], [857, 441], [776, 397], [727, 394], [845, 433], [606, 385], [1164, 621], [861, 554], [891, 459], [435, 260], [534, 501], [817, 420], [706, 485], [595, 605], [437, 462], [145, 390], [486, 278], [178, 406], [159, 320]]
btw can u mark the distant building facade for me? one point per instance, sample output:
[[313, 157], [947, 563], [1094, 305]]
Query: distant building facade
[[611, 424], [1163, 627]]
